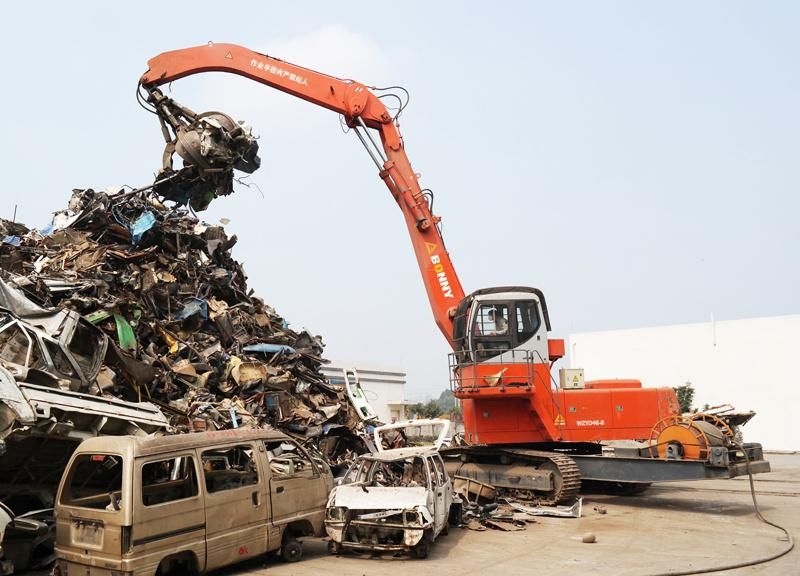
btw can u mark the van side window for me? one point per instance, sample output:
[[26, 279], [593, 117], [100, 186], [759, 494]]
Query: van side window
[[229, 468], [168, 480], [286, 460], [94, 481]]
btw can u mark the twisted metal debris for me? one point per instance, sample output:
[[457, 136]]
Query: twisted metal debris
[[183, 329]]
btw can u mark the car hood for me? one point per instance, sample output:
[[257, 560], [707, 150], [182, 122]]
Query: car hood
[[355, 496]]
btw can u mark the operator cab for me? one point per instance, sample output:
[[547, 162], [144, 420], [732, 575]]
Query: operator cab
[[502, 324]]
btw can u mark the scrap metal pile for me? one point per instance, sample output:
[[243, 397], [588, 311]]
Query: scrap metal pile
[[184, 331], [128, 315]]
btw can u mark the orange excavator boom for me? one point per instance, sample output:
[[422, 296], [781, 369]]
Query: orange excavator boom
[[363, 111]]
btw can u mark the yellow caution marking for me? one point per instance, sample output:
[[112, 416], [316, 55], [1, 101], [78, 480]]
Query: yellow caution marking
[[431, 248], [228, 55]]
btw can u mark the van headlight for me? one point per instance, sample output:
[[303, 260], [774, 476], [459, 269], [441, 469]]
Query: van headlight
[[336, 513]]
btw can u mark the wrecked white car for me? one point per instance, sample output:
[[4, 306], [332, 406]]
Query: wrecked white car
[[391, 501]]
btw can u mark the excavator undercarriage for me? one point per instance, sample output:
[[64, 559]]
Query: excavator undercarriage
[[548, 478], [695, 447]]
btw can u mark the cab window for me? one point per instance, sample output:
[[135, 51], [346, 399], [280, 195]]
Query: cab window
[[491, 331], [527, 320], [287, 460], [94, 481], [492, 320], [229, 468], [168, 480]]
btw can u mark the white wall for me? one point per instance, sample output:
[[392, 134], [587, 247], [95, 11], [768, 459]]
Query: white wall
[[383, 386], [752, 364]]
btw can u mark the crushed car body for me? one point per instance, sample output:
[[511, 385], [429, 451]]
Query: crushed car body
[[128, 315], [395, 500], [49, 360]]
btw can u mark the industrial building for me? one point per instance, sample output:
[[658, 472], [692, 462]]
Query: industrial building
[[746, 363], [383, 386]]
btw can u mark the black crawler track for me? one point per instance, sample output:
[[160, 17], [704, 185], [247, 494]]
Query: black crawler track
[[566, 471]]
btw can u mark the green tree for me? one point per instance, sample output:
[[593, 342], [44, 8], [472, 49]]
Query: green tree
[[445, 405], [429, 409], [685, 395]]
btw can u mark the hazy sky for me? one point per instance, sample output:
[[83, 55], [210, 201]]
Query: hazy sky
[[636, 161]]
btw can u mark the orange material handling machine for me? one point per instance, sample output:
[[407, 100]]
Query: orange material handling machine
[[524, 433]]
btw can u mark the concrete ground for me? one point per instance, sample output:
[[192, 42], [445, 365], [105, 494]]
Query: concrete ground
[[672, 527]]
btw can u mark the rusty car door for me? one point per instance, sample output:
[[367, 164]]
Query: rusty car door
[[299, 485]]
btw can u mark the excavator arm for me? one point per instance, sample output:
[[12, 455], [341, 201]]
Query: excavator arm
[[363, 111]]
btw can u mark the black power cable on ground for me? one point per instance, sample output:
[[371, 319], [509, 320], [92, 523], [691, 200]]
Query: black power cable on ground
[[759, 560]]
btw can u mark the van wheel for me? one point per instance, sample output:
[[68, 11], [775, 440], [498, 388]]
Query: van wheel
[[180, 564], [423, 547], [292, 550]]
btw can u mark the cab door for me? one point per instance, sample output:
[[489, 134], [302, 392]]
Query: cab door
[[490, 333], [236, 508], [507, 331]]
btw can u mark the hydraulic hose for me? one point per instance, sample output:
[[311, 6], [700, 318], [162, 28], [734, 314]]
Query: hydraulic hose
[[760, 560]]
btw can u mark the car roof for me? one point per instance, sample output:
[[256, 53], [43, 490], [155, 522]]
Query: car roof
[[148, 445], [400, 454]]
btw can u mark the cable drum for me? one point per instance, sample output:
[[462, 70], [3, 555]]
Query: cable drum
[[677, 436], [714, 436]]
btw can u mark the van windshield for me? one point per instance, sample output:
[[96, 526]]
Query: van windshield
[[94, 481]]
